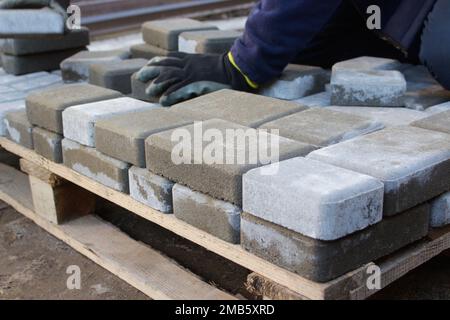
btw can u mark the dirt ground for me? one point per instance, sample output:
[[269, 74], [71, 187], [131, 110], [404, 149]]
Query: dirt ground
[[33, 265]]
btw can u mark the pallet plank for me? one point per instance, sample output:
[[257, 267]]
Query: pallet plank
[[132, 261]]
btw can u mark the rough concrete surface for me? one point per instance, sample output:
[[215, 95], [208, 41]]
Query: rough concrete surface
[[322, 126], [438, 122], [95, 165], [9, 107], [151, 189], [19, 129], [242, 108], [322, 99], [123, 138], [44, 108], [20, 22], [79, 120], [115, 75], [413, 163], [219, 170], [164, 33], [219, 218], [322, 261], [207, 41], [76, 67], [147, 51], [48, 144], [313, 198]]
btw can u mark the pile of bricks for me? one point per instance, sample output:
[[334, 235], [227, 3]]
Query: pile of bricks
[[41, 43], [361, 171]]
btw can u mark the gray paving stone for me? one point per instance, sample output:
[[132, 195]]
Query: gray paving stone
[[19, 129], [164, 33], [207, 41], [24, 46], [239, 107], [437, 122], [25, 22], [297, 81], [389, 117], [124, 137], [377, 88], [76, 67], [44, 108], [313, 198], [79, 120], [368, 63], [219, 218], [115, 75], [213, 176], [138, 90], [147, 51], [322, 261], [422, 98], [95, 165], [438, 108], [413, 163], [323, 127], [440, 211], [19, 65], [151, 189], [7, 107], [48, 144], [322, 99]]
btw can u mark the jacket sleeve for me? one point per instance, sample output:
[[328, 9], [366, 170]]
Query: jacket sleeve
[[276, 31]]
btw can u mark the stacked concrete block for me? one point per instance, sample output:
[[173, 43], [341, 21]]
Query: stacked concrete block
[[164, 33], [48, 144], [322, 127], [368, 81], [147, 51], [123, 137], [37, 62], [296, 82], [115, 75], [312, 198], [25, 22], [7, 107], [322, 99], [79, 120], [322, 261], [95, 165], [440, 211], [438, 122], [389, 117], [19, 129], [413, 163], [219, 218], [151, 189], [238, 107], [76, 67], [220, 173], [138, 90], [207, 41], [44, 108]]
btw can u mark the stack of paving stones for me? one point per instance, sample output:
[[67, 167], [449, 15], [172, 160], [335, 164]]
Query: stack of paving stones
[[161, 39], [38, 45], [76, 67]]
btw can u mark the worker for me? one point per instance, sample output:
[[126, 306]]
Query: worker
[[310, 32]]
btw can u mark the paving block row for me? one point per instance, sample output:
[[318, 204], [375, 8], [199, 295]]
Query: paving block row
[[164, 33], [115, 75], [296, 82], [76, 67], [48, 144], [79, 120], [207, 41]]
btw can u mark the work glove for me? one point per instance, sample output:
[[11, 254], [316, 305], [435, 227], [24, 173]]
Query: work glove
[[182, 76], [33, 4]]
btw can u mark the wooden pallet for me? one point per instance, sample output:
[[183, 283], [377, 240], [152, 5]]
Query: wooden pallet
[[267, 280]]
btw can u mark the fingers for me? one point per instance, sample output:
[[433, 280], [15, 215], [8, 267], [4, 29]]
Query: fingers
[[155, 90], [166, 62], [149, 73], [185, 91]]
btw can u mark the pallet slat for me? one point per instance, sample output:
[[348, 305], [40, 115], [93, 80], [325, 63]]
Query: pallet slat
[[139, 265]]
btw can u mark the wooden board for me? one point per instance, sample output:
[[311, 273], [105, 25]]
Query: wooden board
[[137, 264], [349, 286]]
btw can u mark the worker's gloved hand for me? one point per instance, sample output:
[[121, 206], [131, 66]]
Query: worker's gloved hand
[[182, 76], [33, 4]]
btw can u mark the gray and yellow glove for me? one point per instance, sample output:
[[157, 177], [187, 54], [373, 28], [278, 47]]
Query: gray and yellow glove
[[182, 76]]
